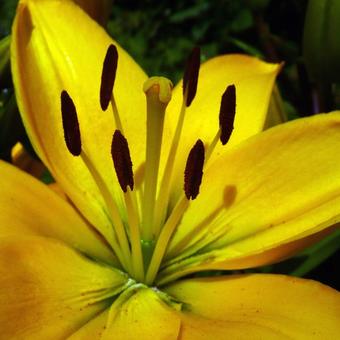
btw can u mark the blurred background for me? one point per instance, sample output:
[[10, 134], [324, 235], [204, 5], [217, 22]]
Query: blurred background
[[160, 35]]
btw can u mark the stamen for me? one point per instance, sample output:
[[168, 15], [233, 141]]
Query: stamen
[[123, 166], [212, 146], [164, 237], [122, 160], [73, 142], [70, 124], [113, 211], [227, 113], [158, 94], [135, 239], [226, 120], [193, 170], [190, 78], [108, 76]]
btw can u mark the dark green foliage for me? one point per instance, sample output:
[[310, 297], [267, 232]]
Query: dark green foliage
[[7, 11]]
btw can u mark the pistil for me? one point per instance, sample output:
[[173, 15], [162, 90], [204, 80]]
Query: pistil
[[158, 95]]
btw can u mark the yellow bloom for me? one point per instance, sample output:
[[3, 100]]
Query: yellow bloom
[[75, 267]]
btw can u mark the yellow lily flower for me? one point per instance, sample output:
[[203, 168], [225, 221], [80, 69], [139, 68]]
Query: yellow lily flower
[[107, 261]]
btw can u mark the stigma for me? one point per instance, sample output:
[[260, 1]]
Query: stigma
[[158, 90]]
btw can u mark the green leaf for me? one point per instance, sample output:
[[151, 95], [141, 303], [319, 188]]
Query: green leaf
[[242, 21], [316, 254], [4, 55], [321, 40], [189, 13], [245, 47]]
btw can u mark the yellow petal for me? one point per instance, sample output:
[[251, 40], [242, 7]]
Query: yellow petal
[[142, 316], [29, 208], [257, 307], [55, 47], [48, 290], [254, 80], [137, 314], [276, 254], [57, 189], [278, 187], [94, 329]]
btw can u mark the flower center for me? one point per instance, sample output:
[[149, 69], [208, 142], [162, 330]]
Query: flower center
[[140, 243]]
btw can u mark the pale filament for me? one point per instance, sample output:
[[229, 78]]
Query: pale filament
[[164, 191], [122, 248]]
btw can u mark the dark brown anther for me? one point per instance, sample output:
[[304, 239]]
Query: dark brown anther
[[108, 76], [194, 170], [70, 124], [122, 160], [227, 113], [190, 77]]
